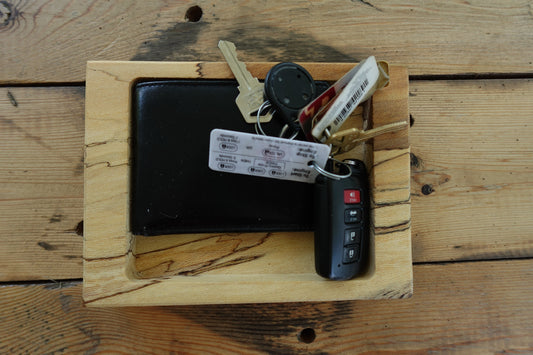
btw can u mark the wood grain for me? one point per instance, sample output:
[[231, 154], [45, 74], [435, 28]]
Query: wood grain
[[41, 182], [497, 303], [225, 268], [487, 181], [472, 169], [50, 41]]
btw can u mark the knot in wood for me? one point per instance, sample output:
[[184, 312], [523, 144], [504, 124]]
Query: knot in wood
[[5, 13]]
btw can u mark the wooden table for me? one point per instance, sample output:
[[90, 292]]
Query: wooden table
[[471, 107]]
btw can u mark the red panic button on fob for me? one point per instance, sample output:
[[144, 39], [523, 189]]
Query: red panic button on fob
[[352, 196]]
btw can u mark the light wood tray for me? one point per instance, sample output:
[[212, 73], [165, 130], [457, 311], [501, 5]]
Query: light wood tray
[[125, 270]]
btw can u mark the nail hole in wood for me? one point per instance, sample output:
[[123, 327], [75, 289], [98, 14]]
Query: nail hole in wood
[[194, 14], [307, 335], [427, 189]]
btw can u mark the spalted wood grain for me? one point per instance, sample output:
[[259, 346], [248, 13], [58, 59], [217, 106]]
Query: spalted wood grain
[[224, 268], [472, 163], [41, 182], [475, 307], [51, 41]]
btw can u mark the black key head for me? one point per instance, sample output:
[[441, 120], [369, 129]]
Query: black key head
[[289, 88]]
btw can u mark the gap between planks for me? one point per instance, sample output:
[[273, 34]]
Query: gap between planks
[[423, 77]]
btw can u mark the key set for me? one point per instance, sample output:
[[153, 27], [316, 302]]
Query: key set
[[342, 201], [287, 89]]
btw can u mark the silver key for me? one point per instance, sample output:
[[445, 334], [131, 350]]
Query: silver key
[[250, 96]]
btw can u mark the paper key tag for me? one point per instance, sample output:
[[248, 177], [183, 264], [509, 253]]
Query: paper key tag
[[335, 105], [278, 158]]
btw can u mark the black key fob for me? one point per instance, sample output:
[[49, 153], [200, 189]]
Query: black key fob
[[289, 88], [342, 224]]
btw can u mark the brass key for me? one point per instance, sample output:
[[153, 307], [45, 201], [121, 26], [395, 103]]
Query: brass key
[[251, 91], [348, 139]]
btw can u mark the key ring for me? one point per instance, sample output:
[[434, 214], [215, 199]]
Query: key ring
[[258, 127], [284, 130], [331, 175]]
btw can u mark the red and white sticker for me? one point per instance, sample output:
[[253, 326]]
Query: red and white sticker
[[331, 109]]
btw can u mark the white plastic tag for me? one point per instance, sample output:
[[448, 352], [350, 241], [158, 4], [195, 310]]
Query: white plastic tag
[[362, 82], [278, 158]]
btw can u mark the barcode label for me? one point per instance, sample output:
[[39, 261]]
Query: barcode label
[[355, 97], [360, 88]]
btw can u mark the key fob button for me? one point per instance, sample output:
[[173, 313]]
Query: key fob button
[[351, 254], [352, 236], [352, 215], [352, 197]]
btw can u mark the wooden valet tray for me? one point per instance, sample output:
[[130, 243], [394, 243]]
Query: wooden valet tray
[[121, 269]]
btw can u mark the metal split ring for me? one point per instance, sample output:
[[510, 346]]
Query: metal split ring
[[331, 175], [284, 130], [258, 128]]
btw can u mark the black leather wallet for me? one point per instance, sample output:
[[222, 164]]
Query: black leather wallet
[[173, 189]]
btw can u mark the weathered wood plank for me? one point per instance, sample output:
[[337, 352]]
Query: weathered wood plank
[[41, 182], [493, 295], [481, 212], [472, 187], [51, 41]]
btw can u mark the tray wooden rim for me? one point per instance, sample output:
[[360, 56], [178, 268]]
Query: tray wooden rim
[[109, 272]]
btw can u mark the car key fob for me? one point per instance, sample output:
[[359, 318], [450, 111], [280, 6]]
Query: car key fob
[[342, 223]]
